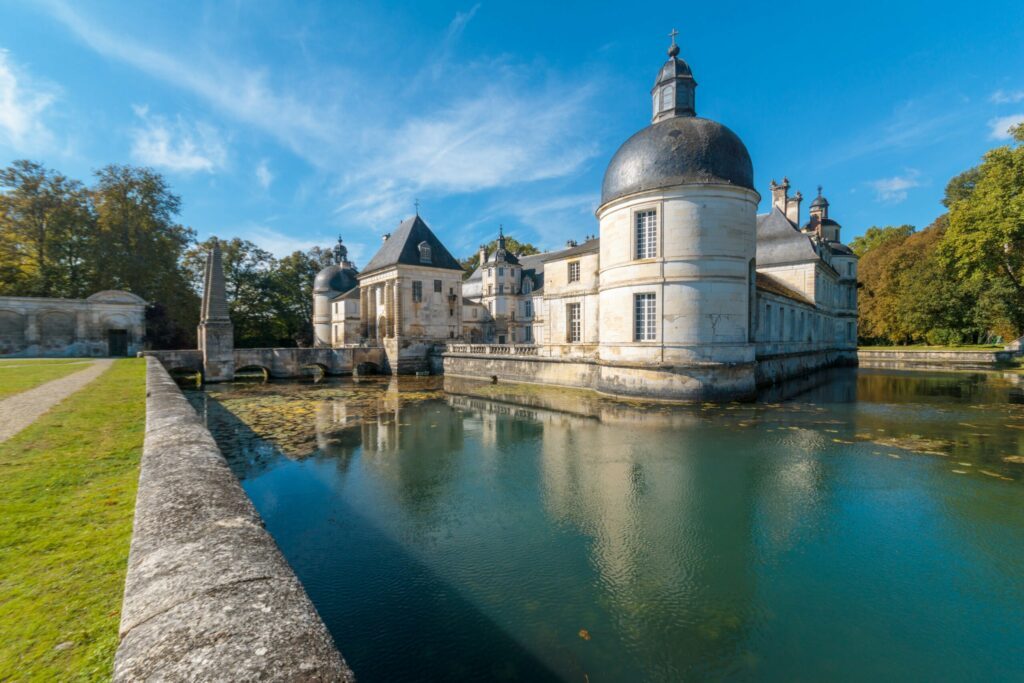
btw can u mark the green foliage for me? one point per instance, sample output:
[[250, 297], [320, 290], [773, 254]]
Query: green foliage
[[961, 280], [67, 498], [875, 237], [512, 245], [984, 245], [61, 238]]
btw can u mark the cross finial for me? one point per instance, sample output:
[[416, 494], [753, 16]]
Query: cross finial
[[417, 205], [819, 190], [673, 49], [501, 230]]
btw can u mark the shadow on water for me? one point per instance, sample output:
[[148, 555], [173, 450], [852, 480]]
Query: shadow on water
[[473, 646]]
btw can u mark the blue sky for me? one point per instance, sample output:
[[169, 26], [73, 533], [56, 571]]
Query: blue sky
[[289, 124]]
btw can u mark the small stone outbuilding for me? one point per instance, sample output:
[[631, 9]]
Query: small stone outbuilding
[[108, 323]]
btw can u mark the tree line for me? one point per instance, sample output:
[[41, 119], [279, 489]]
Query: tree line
[[62, 238], [961, 279]]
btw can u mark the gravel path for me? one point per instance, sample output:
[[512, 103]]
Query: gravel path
[[21, 410]]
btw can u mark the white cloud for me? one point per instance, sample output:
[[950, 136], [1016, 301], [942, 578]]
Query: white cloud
[[999, 128], [280, 244], [22, 105], [177, 145], [263, 175], [477, 125], [1007, 96], [894, 190]]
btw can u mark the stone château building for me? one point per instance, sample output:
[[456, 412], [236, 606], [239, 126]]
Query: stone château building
[[686, 292]]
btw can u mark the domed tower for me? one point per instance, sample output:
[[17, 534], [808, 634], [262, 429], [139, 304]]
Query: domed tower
[[333, 280], [678, 239]]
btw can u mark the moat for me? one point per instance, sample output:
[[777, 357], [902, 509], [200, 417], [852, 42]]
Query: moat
[[870, 528]]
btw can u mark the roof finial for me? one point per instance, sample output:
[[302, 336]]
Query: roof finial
[[501, 230], [819, 190], [673, 49], [416, 203]]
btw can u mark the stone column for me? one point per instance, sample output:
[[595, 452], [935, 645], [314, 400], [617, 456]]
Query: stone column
[[390, 306], [31, 328], [363, 295], [398, 307]]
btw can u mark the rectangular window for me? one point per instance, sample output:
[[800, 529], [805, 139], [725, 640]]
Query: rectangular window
[[490, 289], [849, 269], [646, 234], [501, 272], [417, 291], [644, 328], [574, 271], [501, 289], [573, 323], [437, 286], [528, 308], [476, 312], [527, 334]]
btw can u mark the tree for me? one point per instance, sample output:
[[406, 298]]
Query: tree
[[292, 283], [984, 244], [512, 245], [875, 237], [45, 226]]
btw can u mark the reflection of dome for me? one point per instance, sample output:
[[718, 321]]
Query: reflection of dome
[[337, 278], [684, 150]]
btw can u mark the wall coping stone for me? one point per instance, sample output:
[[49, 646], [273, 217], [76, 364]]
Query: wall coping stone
[[208, 594]]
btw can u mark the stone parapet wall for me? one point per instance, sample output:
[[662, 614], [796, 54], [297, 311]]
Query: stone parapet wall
[[782, 367], [282, 363], [934, 360], [208, 595]]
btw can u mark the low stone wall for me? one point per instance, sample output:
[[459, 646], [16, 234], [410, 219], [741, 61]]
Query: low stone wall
[[208, 595], [283, 363], [783, 367], [713, 382], [896, 359]]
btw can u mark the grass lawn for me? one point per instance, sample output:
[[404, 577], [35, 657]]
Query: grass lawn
[[16, 377], [67, 497]]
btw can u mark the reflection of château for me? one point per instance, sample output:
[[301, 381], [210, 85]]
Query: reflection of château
[[686, 293]]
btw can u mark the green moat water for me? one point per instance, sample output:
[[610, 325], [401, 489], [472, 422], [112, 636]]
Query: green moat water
[[871, 528]]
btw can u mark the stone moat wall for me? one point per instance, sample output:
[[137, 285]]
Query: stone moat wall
[[208, 594], [896, 359]]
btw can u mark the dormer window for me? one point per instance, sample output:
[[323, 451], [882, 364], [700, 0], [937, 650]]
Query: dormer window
[[527, 285], [424, 252]]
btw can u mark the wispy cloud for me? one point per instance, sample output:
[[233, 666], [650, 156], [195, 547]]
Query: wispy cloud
[[912, 123], [894, 190], [999, 128], [279, 244], [244, 94], [480, 125], [1007, 96], [263, 175], [22, 105], [177, 145]]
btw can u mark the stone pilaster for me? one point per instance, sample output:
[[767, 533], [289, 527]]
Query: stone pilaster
[[216, 333]]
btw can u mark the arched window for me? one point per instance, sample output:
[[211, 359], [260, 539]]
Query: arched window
[[424, 252]]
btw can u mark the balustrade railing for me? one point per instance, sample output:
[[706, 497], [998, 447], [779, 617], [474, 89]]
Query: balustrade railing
[[495, 349]]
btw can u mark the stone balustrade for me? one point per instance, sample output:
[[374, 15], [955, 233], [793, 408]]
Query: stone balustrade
[[495, 349]]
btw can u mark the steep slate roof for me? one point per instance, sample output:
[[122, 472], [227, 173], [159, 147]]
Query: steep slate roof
[[587, 247], [779, 242], [767, 283], [403, 247]]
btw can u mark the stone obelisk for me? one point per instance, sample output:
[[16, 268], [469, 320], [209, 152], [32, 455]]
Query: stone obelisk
[[216, 333]]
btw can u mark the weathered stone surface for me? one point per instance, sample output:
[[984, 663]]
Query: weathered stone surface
[[933, 360], [208, 594]]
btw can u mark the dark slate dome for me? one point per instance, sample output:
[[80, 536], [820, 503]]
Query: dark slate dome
[[335, 278], [684, 150]]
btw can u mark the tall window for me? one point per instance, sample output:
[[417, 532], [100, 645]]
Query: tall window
[[574, 271], [527, 334], [437, 286], [501, 289], [527, 285], [573, 323], [646, 234], [528, 308], [501, 272], [417, 291], [644, 328], [668, 94]]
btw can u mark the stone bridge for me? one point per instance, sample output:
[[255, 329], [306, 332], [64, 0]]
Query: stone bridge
[[283, 363]]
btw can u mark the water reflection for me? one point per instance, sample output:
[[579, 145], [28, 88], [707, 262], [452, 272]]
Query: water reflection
[[867, 527]]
